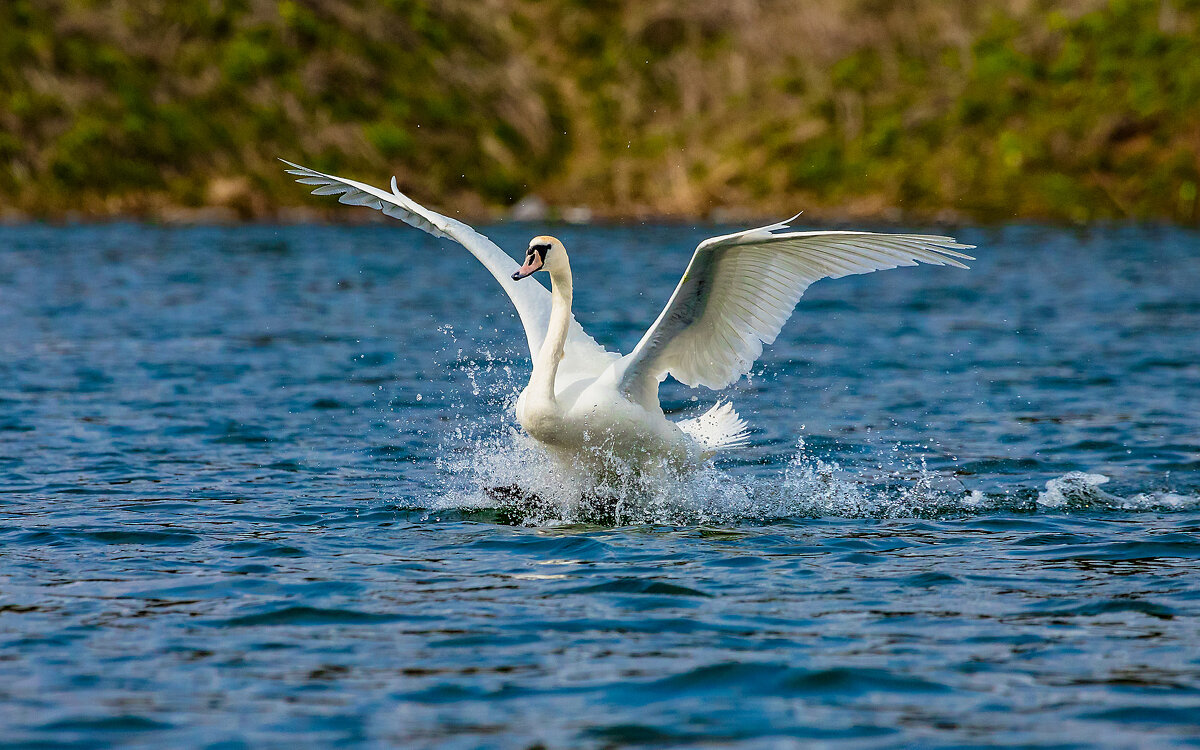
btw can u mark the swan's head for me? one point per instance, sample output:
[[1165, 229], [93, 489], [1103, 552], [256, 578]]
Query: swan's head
[[544, 253]]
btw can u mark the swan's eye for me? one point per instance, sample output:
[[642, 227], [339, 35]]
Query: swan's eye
[[540, 250]]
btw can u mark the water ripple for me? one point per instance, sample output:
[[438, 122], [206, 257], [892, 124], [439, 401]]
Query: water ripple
[[251, 495]]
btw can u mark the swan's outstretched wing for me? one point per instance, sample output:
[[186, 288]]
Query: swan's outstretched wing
[[739, 290], [532, 301]]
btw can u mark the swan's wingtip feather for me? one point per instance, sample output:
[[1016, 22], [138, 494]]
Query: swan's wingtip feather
[[297, 169], [953, 257], [785, 224], [719, 428]]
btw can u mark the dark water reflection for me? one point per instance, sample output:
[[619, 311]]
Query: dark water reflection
[[233, 465]]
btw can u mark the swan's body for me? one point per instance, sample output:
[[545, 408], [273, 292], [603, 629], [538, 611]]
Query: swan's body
[[587, 420], [597, 408]]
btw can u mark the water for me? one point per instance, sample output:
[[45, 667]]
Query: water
[[242, 481]]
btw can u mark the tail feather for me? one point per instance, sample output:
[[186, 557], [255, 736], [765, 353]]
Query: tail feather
[[719, 428]]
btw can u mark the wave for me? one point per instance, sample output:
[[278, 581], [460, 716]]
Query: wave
[[1080, 490]]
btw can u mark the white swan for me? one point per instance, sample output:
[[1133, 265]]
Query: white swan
[[594, 407]]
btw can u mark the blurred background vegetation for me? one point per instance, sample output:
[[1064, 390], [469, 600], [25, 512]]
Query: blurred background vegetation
[[1072, 110]]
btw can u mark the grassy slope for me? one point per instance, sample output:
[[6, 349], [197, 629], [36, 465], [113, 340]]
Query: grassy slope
[[987, 109]]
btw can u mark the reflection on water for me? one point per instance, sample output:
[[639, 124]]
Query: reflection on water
[[246, 494]]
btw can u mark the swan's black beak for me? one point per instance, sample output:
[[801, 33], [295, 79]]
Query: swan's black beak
[[532, 265]]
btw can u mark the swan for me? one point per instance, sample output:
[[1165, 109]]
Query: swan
[[597, 409]]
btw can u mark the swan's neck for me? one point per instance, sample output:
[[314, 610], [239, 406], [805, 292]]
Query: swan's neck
[[545, 366]]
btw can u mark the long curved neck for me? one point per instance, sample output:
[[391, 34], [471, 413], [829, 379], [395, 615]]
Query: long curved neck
[[545, 365]]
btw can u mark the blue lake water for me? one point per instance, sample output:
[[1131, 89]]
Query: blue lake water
[[242, 503]]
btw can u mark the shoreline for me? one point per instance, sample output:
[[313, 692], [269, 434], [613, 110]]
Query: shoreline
[[289, 217]]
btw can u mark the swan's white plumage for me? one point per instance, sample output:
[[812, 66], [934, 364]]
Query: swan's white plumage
[[719, 428], [736, 294], [739, 290], [584, 357]]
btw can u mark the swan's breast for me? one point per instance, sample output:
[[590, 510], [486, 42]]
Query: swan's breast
[[600, 422], [542, 419]]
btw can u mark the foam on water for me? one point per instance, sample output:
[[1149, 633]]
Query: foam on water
[[1078, 490], [535, 489], [511, 473]]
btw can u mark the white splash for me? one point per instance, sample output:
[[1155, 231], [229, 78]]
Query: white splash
[[510, 474], [1074, 488], [513, 474], [1078, 490]]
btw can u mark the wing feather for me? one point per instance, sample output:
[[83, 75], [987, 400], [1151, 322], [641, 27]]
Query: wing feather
[[740, 289], [582, 355]]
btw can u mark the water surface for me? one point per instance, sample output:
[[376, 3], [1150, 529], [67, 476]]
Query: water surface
[[241, 503]]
